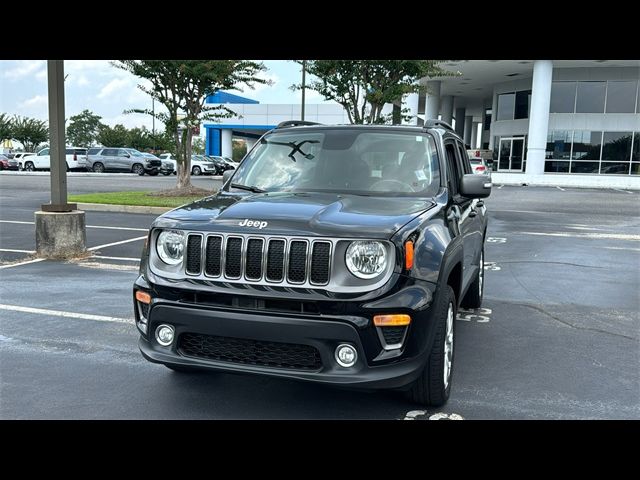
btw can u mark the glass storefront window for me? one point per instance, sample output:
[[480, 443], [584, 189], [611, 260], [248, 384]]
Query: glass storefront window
[[506, 103], [612, 168], [620, 96], [590, 97], [556, 167], [585, 167], [559, 144], [486, 125], [616, 146], [586, 145], [563, 97], [635, 169], [523, 102], [635, 154]]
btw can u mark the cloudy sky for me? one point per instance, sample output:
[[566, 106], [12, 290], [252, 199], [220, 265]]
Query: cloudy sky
[[107, 91]]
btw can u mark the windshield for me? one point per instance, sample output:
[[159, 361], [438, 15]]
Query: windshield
[[133, 152], [345, 161]]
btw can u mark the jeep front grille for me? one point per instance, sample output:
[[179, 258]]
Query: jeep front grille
[[254, 259]]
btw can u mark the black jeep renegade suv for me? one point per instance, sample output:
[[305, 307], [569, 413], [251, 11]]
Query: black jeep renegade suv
[[333, 254]]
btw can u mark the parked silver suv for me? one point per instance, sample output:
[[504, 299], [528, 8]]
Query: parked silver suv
[[121, 160]]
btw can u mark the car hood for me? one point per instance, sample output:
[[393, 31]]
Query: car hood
[[305, 214]]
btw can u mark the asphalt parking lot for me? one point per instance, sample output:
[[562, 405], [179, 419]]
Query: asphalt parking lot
[[558, 338]]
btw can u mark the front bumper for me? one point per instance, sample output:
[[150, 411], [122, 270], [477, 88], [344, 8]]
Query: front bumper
[[374, 368]]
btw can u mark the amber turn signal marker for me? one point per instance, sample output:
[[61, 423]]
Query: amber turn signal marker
[[143, 297], [408, 254], [397, 320]]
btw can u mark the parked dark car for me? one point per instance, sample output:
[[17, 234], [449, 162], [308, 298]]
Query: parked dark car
[[332, 254]]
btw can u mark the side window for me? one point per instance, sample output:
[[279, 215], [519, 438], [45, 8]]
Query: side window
[[122, 152], [453, 171], [464, 159], [110, 152], [44, 152], [69, 151]]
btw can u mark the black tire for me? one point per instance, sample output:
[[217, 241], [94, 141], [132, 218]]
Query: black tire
[[429, 389], [473, 298], [166, 173], [183, 369], [196, 171], [137, 169], [153, 173], [98, 167], [29, 167]]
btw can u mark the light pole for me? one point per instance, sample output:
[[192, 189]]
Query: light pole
[[304, 86]]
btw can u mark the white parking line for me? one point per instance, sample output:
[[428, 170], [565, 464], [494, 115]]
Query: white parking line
[[127, 259], [116, 243], [60, 313], [620, 190], [22, 263], [104, 227], [560, 188], [13, 250], [611, 236]]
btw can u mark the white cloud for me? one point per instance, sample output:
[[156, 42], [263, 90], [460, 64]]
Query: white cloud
[[36, 101], [24, 68], [113, 86], [41, 75]]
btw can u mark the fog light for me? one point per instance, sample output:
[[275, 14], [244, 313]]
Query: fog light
[[346, 355], [164, 335]]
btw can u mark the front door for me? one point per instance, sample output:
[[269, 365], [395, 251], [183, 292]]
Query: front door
[[511, 155]]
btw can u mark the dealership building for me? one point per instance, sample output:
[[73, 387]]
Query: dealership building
[[572, 122]]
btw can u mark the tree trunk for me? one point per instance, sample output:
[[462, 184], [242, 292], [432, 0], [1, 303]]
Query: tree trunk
[[184, 167]]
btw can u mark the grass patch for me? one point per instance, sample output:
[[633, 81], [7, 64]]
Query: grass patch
[[134, 198]]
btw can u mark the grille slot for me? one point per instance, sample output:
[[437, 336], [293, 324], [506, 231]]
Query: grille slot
[[257, 258], [194, 254], [275, 261], [297, 267], [320, 263], [393, 335], [253, 262], [213, 264], [250, 352], [233, 257]]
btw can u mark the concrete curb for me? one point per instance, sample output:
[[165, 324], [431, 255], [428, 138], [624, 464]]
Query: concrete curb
[[105, 207], [628, 182]]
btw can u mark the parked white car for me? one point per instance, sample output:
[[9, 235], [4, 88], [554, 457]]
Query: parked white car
[[199, 165], [479, 166], [20, 156], [42, 159]]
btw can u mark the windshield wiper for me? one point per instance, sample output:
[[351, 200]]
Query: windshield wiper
[[247, 187]]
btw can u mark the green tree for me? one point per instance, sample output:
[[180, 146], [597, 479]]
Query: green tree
[[30, 132], [239, 150], [117, 136], [140, 139], [6, 127], [363, 87], [198, 146], [182, 87], [83, 129]]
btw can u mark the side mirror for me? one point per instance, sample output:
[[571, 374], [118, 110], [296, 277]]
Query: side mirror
[[127, 155], [226, 175], [475, 186]]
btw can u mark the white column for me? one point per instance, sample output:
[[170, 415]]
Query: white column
[[432, 105], [250, 143], [446, 105], [460, 114], [411, 102], [226, 146], [539, 116], [494, 118], [474, 134], [468, 123]]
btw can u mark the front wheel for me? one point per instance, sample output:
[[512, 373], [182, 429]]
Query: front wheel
[[196, 171], [473, 298], [29, 167], [98, 167], [138, 169], [433, 386], [153, 173]]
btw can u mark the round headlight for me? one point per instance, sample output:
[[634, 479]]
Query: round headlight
[[366, 259], [170, 246]]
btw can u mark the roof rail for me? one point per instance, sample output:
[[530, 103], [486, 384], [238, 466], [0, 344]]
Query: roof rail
[[432, 123], [295, 123]]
